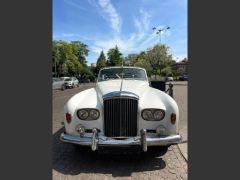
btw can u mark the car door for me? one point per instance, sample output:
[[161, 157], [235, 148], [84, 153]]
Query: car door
[[75, 81], [54, 84], [59, 84]]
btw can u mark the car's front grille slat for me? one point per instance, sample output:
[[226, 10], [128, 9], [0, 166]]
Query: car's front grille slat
[[120, 117]]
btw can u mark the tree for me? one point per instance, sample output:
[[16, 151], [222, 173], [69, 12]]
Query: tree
[[114, 57], [167, 71], [101, 61], [69, 58], [159, 58], [81, 51], [144, 64], [131, 59], [142, 56], [56, 57]]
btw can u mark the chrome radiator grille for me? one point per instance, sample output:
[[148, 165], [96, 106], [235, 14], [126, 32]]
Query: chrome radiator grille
[[120, 117]]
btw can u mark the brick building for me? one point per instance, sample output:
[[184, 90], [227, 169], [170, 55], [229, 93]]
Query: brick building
[[181, 67]]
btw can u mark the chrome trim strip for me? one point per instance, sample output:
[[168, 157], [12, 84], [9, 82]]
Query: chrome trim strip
[[103, 141], [144, 139], [120, 94], [94, 139]]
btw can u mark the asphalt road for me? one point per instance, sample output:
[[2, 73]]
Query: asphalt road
[[71, 162]]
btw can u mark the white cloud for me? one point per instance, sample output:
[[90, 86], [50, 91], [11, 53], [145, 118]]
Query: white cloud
[[110, 14], [75, 3], [140, 40]]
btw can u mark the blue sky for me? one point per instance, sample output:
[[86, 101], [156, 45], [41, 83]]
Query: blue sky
[[102, 24]]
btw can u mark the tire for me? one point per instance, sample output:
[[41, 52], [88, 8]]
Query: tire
[[158, 150], [63, 88]]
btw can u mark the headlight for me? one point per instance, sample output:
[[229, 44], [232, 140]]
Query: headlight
[[158, 114], [94, 114], [88, 114], [147, 115], [153, 114], [82, 114]]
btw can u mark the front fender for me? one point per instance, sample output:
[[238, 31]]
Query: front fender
[[85, 99], [154, 98]]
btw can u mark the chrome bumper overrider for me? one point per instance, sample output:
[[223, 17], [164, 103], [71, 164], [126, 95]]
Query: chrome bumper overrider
[[144, 140]]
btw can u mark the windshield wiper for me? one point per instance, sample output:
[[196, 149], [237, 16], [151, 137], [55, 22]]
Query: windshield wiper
[[118, 76]]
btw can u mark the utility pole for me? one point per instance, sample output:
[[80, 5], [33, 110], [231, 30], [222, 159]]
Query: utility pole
[[159, 31], [55, 62]]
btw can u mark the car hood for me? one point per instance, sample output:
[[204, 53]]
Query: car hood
[[134, 86]]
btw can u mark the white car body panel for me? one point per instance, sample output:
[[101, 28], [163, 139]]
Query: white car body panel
[[149, 98]]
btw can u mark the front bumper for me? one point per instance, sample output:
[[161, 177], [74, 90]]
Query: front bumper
[[144, 140], [68, 85]]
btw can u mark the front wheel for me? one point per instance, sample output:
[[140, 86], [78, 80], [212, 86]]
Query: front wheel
[[63, 88], [158, 150]]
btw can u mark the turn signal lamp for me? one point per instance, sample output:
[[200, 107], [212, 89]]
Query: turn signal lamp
[[173, 118], [68, 117]]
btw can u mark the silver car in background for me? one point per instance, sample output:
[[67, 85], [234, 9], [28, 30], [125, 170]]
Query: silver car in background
[[58, 84], [71, 82]]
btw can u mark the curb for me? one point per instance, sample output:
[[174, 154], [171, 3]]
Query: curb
[[186, 159]]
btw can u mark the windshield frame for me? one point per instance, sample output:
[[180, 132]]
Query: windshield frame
[[121, 76]]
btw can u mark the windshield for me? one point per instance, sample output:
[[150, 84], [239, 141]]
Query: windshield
[[68, 79], [56, 79], [125, 73]]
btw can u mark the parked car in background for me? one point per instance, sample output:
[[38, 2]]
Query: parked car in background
[[84, 80], [122, 111], [71, 82], [183, 78], [168, 78], [58, 83], [63, 78]]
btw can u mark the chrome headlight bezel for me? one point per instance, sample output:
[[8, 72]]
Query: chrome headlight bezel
[[89, 111], [152, 117]]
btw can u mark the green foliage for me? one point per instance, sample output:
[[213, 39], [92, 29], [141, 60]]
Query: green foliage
[[131, 59], [167, 71], [144, 64], [142, 55], [69, 58], [101, 62], [159, 58], [86, 72], [114, 57], [81, 51]]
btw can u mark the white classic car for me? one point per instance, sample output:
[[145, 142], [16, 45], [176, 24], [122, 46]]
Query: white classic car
[[122, 110]]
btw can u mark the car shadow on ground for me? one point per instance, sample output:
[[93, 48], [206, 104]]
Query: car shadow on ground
[[73, 160]]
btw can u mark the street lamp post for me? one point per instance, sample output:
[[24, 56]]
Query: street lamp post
[[55, 63], [159, 31]]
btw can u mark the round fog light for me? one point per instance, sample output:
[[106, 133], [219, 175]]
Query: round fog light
[[80, 129], [161, 130]]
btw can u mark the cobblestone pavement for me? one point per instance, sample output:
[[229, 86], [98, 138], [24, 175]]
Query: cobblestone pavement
[[74, 162]]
